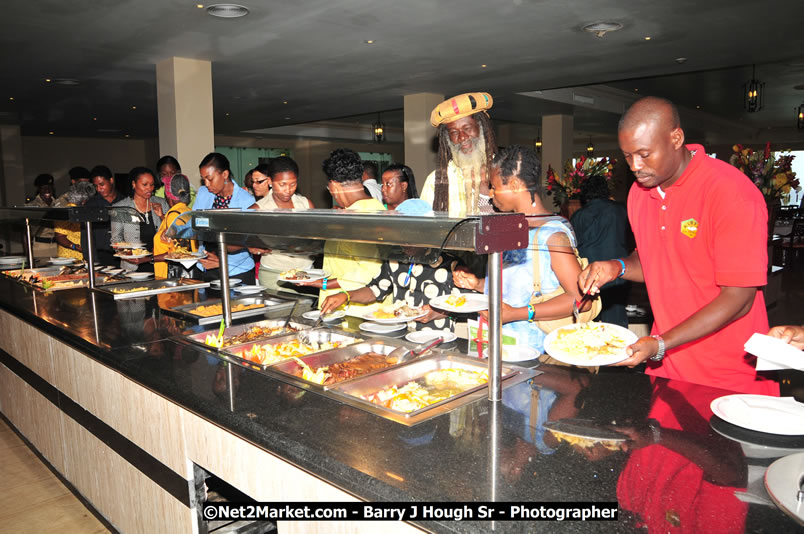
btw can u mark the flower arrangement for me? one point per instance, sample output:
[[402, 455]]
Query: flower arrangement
[[568, 187], [770, 172]]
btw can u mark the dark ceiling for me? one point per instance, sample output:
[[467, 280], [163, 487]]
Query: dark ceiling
[[312, 54]]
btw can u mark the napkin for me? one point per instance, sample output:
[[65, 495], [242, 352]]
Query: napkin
[[773, 353]]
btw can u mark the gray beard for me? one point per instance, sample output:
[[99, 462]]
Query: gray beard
[[472, 166]]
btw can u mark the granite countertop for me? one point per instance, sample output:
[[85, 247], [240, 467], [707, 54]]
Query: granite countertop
[[480, 452]]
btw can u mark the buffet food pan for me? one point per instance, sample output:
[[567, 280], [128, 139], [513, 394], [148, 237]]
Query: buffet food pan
[[263, 304], [146, 288], [246, 333], [291, 370], [354, 391], [318, 338]]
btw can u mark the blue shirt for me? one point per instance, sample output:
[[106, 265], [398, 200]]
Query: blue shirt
[[239, 262], [517, 280]]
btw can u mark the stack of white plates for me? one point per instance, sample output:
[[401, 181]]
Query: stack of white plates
[[6, 261]]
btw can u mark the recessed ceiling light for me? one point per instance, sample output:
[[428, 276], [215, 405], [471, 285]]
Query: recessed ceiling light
[[200, 6], [133, 107], [227, 11], [602, 28], [227, 114], [94, 118], [47, 80], [483, 66], [697, 107], [681, 60], [636, 89], [11, 98], [51, 133], [125, 135], [285, 102], [647, 37], [369, 41]]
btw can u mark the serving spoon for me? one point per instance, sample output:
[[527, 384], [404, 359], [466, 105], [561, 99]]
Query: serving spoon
[[404, 354]]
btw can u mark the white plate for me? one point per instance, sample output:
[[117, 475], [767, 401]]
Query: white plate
[[376, 328], [475, 302], [515, 354], [139, 276], [62, 261], [249, 290], [370, 317], [423, 336], [216, 284], [128, 245], [781, 481], [12, 259], [773, 415], [314, 274], [312, 315], [587, 360]]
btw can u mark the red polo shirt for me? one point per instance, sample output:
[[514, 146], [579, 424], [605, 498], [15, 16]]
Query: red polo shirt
[[709, 231]]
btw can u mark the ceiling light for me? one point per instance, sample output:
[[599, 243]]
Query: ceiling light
[[287, 118], [227, 11], [697, 107], [680, 60], [754, 93], [379, 130], [200, 6], [590, 148], [125, 135], [94, 118], [285, 102], [636, 89], [369, 41], [537, 144], [47, 80], [647, 37], [51, 133], [602, 28], [483, 66], [227, 114], [133, 107], [11, 98]]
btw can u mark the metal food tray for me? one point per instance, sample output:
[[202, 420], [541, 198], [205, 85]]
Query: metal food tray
[[316, 336], [270, 304], [287, 368], [199, 339], [351, 392], [155, 287]]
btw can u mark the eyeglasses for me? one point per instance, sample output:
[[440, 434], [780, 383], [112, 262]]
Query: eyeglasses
[[259, 182]]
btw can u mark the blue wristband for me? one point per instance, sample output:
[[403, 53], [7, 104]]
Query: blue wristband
[[622, 268], [530, 313], [324, 285]]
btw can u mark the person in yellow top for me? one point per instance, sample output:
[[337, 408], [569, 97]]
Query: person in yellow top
[[349, 265], [177, 193], [68, 234], [466, 146]]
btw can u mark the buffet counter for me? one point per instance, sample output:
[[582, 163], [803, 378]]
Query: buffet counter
[[110, 396]]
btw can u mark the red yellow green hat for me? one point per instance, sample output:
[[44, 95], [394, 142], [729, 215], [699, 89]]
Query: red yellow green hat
[[459, 107]]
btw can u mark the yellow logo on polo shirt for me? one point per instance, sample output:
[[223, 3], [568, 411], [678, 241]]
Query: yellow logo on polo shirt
[[689, 228]]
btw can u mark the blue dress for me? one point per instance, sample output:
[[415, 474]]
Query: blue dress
[[517, 279]]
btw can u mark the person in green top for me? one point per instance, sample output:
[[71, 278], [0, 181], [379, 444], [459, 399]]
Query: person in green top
[[166, 167]]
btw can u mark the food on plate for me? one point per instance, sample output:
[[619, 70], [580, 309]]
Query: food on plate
[[269, 354], [217, 309], [585, 443], [397, 311], [433, 387], [124, 244], [176, 255], [252, 334], [345, 370], [455, 300], [295, 274], [132, 252], [132, 290], [590, 339]]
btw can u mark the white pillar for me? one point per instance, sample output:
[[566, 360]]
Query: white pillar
[[557, 133], [184, 103], [419, 134]]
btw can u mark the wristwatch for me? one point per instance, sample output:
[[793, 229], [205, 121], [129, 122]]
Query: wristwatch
[[659, 355]]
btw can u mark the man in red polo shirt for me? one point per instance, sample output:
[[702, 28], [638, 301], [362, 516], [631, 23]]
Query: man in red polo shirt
[[701, 232]]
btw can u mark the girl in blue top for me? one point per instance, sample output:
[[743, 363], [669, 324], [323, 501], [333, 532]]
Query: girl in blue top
[[516, 188], [220, 192]]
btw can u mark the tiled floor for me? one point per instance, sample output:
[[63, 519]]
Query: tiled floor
[[35, 499]]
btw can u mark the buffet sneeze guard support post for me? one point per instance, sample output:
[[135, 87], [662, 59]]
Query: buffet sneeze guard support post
[[486, 234]]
